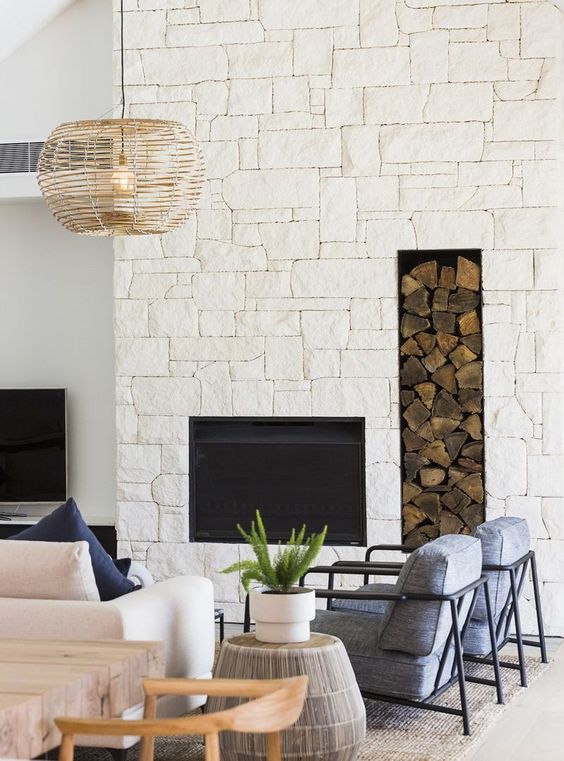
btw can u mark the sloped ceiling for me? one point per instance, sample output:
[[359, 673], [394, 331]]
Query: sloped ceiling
[[21, 19]]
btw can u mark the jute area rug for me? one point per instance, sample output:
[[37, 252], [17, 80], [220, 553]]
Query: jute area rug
[[393, 733]]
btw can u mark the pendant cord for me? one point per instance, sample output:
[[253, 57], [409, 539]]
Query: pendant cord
[[122, 66]]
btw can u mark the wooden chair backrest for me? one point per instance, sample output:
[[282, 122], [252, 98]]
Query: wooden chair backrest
[[274, 706]]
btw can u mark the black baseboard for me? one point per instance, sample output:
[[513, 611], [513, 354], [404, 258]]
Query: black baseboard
[[106, 535]]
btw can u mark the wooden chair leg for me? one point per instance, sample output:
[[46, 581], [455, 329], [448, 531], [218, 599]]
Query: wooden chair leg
[[66, 749], [147, 748], [212, 747], [273, 747]]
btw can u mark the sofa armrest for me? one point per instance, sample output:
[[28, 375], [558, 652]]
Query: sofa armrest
[[178, 612], [140, 574]]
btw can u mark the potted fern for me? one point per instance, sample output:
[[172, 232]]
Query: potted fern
[[281, 609]]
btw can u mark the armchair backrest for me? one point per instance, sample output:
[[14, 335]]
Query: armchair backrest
[[504, 541], [444, 566]]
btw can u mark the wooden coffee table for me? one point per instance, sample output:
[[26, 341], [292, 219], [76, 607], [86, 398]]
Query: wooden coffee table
[[42, 679], [333, 722]]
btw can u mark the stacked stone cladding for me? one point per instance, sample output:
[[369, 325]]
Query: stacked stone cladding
[[336, 132]]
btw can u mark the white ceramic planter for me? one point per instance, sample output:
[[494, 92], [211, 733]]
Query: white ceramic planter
[[282, 617]]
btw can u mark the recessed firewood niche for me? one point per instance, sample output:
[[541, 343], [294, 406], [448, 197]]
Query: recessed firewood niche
[[441, 393]]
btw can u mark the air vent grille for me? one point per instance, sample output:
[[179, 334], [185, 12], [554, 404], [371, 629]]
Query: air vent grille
[[34, 151], [19, 157]]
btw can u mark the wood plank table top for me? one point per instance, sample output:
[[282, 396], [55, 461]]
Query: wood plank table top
[[42, 679]]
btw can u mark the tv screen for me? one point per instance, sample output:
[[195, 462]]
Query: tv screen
[[33, 445]]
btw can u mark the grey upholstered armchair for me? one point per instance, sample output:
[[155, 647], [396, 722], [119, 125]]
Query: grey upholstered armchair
[[407, 647], [506, 558]]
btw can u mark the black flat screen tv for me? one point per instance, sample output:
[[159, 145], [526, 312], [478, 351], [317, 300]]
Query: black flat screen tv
[[33, 445]]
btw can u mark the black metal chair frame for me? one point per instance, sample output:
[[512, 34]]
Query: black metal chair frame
[[219, 618], [517, 574], [455, 635]]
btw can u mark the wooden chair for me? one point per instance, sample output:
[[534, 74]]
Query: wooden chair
[[274, 705]]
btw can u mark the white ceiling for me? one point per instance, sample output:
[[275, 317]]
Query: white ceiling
[[21, 19]]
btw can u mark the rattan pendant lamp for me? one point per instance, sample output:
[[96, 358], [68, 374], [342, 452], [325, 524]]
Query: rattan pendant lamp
[[121, 176]]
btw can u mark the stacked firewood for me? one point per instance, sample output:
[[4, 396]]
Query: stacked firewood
[[441, 400]]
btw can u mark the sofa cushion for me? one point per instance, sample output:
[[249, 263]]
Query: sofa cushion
[[65, 524], [504, 540], [47, 571], [444, 566]]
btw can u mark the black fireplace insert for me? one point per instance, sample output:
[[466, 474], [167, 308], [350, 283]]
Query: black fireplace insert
[[295, 470]]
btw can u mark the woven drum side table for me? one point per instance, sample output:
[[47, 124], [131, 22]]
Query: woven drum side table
[[333, 721]]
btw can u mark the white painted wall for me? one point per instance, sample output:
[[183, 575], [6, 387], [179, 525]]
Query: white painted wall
[[56, 287], [19, 22], [63, 73], [56, 330]]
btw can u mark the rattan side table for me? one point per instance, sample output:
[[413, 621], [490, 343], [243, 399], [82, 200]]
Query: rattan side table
[[333, 721]]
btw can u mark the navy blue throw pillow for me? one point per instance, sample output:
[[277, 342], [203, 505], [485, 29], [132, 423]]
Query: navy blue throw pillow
[[123, 565], [66, 524]]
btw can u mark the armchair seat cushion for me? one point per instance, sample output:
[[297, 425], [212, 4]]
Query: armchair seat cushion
[[389, 672], [375, 607]]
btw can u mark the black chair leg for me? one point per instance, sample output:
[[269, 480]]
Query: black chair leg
[[118, 754], [247, 620], [518, 631], [495, 655], [330, 585], [460, 669], [538, 608]]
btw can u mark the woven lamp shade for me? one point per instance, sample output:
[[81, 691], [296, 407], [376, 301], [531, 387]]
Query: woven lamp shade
[[121, 176]]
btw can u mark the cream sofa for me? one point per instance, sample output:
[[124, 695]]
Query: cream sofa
[[178, 612]]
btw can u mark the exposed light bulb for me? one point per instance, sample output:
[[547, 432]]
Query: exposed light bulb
[[123, 179]]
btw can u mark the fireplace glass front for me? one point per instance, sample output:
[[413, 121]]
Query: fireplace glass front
[[295, 470]]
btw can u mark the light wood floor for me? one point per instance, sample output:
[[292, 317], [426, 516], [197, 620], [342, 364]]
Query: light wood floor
[[532, 726]]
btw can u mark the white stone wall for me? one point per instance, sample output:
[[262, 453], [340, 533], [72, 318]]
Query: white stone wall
[[336, 132]]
